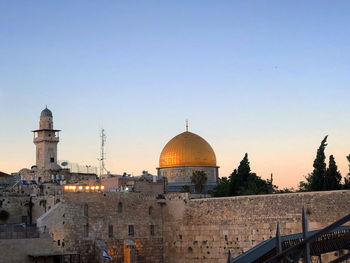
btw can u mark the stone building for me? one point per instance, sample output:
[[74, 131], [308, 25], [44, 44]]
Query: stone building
[[123, 223], [184, 154]]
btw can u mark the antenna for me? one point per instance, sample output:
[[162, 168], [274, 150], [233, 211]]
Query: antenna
[[102, 156], [186, 125]]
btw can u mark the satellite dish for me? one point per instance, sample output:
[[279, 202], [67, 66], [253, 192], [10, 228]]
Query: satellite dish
[[64, 163]]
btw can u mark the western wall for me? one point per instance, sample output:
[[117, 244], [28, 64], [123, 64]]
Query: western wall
[[184, 229]]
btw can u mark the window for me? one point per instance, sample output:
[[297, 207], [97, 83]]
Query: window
[[150, 210], [52, 160], [120, 207], [151, 229], [110, 231], [86, 230], [131, 230], [58, 242], [86, 210]]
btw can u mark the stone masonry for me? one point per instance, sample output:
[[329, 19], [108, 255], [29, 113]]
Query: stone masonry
[[185, 230], [89, 222], [203, 230]]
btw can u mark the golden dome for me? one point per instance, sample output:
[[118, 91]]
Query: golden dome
[[187, 149]]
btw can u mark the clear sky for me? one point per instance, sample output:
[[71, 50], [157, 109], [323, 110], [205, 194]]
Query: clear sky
[[270, 78]]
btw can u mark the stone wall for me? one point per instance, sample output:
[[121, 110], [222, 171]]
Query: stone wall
[[147, 187], [17, 207], [203, 230], [185, 230], [18, 250], [82, 222]]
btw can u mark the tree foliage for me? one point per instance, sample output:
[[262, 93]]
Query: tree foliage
[[317, 177], [242, 182], [347, 178], [199, 179], [323, 178], [222, 188], [185, 189], [332, 177]]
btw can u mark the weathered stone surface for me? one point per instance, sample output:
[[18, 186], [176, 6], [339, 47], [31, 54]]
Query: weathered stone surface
[[185, 230], [203, 230]]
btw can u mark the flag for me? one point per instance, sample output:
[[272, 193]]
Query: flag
[[105, 255]]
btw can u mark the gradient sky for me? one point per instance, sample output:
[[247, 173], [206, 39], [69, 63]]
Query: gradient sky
[[270, 78]]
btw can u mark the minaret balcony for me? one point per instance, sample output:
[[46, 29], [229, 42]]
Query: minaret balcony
[[46, 139]]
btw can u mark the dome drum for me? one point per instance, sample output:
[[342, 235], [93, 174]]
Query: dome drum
[[182, 175]]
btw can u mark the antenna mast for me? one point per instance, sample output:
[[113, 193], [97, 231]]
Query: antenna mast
[[102, 156]]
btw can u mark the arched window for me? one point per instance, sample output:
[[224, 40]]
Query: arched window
[[120, 207], [150, 210]]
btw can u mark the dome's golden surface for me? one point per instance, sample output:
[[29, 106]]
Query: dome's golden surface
[[187, 149]]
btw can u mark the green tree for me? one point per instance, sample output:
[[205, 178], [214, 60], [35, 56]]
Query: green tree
[[185, 189], [304, 186], [332, 177], [347, 178], [222, 187], [199, 179], [315, 180], [234, 183], [244, 168], [243, 182]]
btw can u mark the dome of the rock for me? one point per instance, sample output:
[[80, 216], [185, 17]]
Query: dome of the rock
[[187, 149], [183, 155]]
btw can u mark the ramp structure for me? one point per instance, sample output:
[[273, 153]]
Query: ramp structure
[[291, 248]]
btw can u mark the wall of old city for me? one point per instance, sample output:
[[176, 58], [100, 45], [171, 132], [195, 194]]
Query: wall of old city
[[82, 223], [185, 230], [203, 230], [18, 207], [18, 250]]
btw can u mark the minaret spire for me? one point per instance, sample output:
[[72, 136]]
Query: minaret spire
[[186, 125]]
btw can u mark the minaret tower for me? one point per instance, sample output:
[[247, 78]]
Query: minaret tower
[[46, 139]]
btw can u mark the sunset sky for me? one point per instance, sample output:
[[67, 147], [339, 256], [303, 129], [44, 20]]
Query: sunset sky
[[270, 78]]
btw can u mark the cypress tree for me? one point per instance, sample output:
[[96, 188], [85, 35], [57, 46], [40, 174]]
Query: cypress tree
[[234, 183], [333, 176], [244, 168], [317, 177], [347, 178]]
